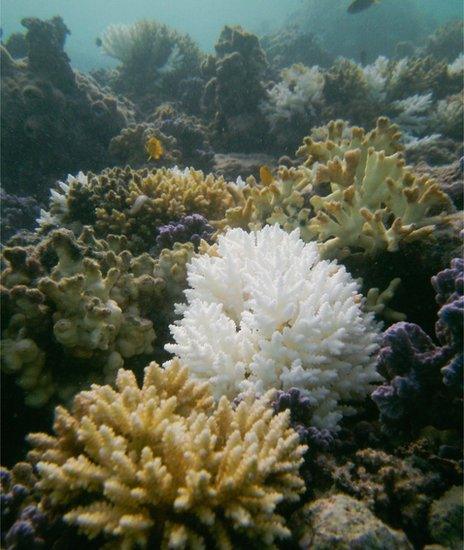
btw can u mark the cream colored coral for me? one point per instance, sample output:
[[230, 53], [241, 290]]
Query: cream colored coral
[[162, 465]]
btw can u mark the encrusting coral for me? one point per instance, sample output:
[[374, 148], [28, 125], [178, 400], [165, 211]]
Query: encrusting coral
[[135, 203], [265, 312], [162, 465], [424, 381]]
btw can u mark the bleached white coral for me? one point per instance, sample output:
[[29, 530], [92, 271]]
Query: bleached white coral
[[263, 311], [299, 92], [59, 201], [413, 112], [376, 78], [457, 66]]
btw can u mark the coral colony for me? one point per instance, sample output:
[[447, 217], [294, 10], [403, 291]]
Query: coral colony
[[232, 289]]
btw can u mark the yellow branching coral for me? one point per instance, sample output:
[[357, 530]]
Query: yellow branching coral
[[161, 465], [282, 199]]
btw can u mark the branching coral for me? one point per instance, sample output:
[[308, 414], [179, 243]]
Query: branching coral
[[264, 312], [374, 202], [293, 104], [135, 203], [154, 59], [425, 380], [161, 464]]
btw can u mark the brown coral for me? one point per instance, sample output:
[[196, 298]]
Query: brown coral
[[161, 464]]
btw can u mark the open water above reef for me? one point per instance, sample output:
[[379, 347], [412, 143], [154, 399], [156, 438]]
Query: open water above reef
[[255, 195]]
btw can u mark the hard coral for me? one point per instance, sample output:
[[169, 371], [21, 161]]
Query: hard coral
[[264, 312], [425, 380], [74, 309], [61, 120], [374, 202], [135, 203], [161, 464], [235, 89], [154, 60]]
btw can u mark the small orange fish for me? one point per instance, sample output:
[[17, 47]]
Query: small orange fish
[[265, 175], [154, 149]]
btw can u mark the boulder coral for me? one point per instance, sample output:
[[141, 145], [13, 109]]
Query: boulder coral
[[61, 120], [162, 465], [263, 311]]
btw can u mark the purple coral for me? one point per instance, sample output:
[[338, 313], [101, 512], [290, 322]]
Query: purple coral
[[191, 228], [301, 411], [424, 380]]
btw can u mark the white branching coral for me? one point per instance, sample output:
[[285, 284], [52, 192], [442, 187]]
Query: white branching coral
[[413, 113], [376, 78], [265, 312], [299, 93], [162, 466]]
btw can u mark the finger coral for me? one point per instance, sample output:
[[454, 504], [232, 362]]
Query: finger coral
[[161, 465], [265, 312], [374, 202]]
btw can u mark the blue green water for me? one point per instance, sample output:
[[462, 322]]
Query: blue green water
[[203, 19]]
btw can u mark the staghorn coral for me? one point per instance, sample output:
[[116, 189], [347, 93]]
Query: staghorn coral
[[154, 60], [234, 91], [449, 115], [135, 203], [264, 312], [162, 465], [424, 381], [374, 202], [53, 118], [396, 490]]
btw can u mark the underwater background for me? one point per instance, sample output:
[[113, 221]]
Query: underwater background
[[232, 274]]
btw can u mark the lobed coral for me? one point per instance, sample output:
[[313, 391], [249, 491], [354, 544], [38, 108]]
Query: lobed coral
[[264, 312], [424, 381], [161, 464], [77, 309]]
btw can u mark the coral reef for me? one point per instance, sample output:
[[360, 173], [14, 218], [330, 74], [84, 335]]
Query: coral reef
[[16, 213], [445, 519], [134, 203], [424, 380], [154, 58], [293, 105], [396, 491], [192, 228], [446, 42], [61, 120], [191, 139], [234, 91], [374, 202], [264, 312], [341, 522], [450, 178], [162, 464], [290, 45]]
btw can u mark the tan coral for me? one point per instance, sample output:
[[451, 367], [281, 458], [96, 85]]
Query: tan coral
[[161, 465]]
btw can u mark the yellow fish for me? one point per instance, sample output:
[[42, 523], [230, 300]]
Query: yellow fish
[[265, 175], [154, 149]]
